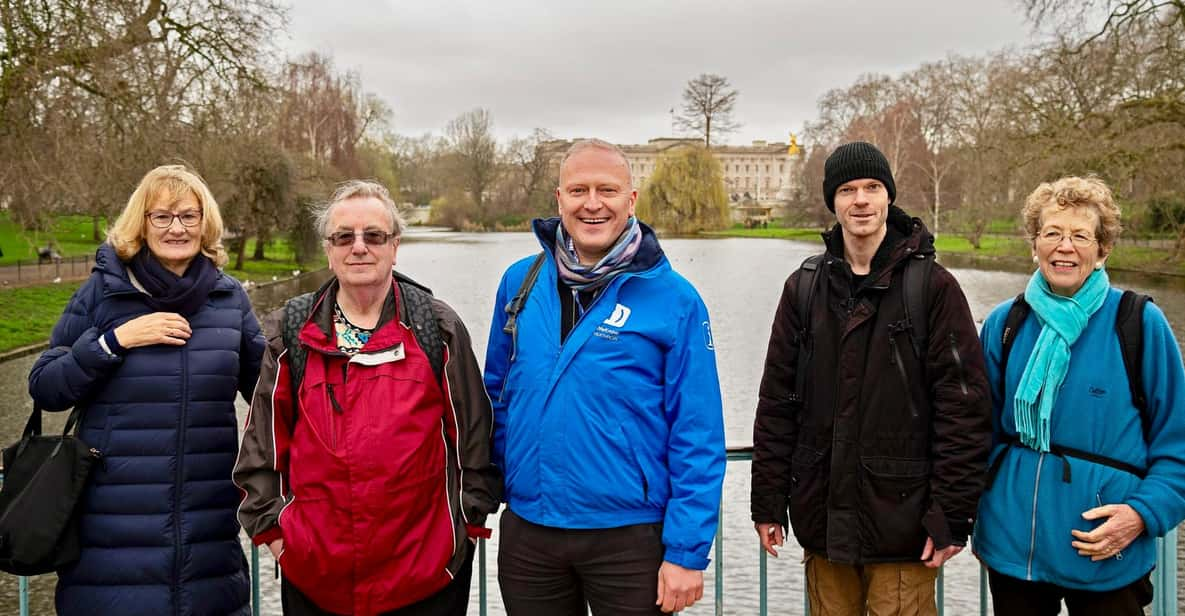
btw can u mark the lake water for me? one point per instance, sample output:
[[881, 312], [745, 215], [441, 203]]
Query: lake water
[[740, 281]]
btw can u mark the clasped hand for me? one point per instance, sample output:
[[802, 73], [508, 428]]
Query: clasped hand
[[1121, 527], [154, 328]]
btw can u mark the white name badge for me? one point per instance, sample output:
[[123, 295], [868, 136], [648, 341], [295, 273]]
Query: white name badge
[[382, 357]]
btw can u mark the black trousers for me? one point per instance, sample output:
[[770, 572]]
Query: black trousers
[[546, 571], [452, 600], [1020, 598]]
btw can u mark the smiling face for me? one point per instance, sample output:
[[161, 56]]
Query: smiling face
[[360, 264], [862, 208], [1066, 249], [596, 200], [176, 245]]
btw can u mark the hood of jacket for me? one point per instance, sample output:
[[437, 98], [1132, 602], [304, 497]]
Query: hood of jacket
[[904, 236]]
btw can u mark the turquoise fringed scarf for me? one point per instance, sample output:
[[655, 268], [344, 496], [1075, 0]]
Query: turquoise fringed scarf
[[1062, 321]]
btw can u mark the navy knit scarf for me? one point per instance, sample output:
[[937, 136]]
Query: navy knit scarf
[[168, 292]]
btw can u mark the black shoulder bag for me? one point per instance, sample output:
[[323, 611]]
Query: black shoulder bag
[[43, 480]]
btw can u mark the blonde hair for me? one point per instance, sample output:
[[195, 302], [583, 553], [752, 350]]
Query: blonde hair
[[171, 182], [1077, 193]]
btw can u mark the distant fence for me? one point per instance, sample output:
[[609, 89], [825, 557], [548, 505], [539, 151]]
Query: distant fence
[[37, 270]]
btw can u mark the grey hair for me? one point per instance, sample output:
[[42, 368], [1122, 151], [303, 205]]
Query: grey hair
[[354, 189], [597, 144]]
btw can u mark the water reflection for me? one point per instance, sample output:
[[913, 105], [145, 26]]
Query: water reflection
[[740, 281]]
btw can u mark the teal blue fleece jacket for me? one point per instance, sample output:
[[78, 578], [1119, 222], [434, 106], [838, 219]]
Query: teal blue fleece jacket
[[1025, 517]]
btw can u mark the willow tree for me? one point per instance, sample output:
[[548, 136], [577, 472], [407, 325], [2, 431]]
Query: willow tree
[[686, 192]]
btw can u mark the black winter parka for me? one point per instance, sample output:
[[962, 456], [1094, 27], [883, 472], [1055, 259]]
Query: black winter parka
[[886, 448]]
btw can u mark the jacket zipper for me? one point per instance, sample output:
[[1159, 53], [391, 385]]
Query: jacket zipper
[[895, 359], [1033, 523], [175, 582], [954, 350]]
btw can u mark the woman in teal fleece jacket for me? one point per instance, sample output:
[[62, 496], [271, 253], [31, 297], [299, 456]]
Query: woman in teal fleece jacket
[[1081, 481]]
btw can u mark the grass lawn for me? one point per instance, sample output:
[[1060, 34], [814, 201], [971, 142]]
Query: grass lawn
[[28, 314], [71, 235]]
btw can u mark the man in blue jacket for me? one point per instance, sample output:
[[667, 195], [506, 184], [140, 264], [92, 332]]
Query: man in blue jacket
[[607, 417]]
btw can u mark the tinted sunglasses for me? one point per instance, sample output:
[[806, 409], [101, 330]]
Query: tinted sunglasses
[[370, 238]]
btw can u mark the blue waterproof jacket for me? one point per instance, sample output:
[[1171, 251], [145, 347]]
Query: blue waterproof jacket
[[1025, 517], [622, 423], [158, 527]]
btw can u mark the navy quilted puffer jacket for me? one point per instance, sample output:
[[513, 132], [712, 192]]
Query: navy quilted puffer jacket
[[158, 524]]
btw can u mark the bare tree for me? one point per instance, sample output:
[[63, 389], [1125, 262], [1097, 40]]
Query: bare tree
[[1117, 16], [471, 139], [531, 162], [930, 101], [708, 102], [112, 88]]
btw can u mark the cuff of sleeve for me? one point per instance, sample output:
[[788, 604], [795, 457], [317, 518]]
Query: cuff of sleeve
[[685, 559], [476, 532], [940, 529], [111, 344], [1151, 523], [268, 536], [90, 353]]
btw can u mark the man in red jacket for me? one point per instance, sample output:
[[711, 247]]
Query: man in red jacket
[[365, 463]]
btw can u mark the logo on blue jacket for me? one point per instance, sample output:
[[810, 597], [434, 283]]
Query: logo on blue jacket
[[620, 315]]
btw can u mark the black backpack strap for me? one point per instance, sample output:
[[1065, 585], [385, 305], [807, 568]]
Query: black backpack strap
[[1129, 325], [808, 276], [516, 303], [416, 310], [1017, 313], [917, 315], [296, 312]]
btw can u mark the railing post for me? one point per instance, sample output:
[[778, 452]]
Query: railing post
[[762, 584], [481, 576], [720, 559], [1164, 577], [941, 586], [24, 585], [255, 596], [983, 591]]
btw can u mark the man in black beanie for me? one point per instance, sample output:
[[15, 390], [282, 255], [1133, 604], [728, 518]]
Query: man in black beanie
[[873, 419]]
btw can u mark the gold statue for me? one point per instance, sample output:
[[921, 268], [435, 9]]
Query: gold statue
[[793, 150]]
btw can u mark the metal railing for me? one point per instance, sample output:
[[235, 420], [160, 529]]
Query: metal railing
[[32, 270], [1164, 577]]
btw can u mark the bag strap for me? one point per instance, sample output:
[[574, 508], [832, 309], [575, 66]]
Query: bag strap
[[807, 280], [1017, 313], [416, 309], [33, 426], [1129, 325], [296, 312], [516, 303], [917, 317]]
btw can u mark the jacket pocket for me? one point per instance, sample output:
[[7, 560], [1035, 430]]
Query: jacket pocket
[[808, 496], [652, 491], [307, 557], [894, 493]]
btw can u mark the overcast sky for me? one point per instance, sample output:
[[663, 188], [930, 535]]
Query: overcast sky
[[614, 68]]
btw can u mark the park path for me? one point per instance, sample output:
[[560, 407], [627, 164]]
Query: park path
[[29, 271]]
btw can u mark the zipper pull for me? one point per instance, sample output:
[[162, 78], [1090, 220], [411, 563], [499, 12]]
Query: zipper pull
[[333, 400]]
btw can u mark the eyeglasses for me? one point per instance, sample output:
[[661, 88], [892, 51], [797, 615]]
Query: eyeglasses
[[1054, 237], [164, 220], [370, 237]]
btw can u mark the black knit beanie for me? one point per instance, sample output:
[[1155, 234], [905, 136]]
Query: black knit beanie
[[854, 161]]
